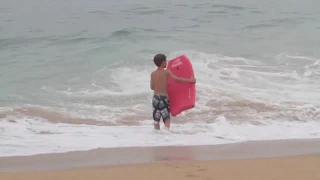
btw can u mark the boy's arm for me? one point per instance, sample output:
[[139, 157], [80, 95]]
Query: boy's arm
[[151, 82], [171, 75]]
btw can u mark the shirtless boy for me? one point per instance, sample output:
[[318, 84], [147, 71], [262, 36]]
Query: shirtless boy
[[158, 83]]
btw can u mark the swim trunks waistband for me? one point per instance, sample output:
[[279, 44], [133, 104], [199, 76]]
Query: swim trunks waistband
[[160, 94]]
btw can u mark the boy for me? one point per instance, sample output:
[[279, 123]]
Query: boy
[[158, 83]]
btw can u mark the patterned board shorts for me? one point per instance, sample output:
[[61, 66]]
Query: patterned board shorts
[[161, 108]]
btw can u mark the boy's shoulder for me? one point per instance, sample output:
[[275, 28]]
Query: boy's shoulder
[[153, 72], [160, 71]]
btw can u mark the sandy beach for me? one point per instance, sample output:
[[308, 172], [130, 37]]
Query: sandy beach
[[291, 168], [294, 159]]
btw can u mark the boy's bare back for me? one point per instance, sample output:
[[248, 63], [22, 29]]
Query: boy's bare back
[[159, 79]]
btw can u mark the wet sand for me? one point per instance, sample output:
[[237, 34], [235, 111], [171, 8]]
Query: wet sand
[[288, 159], [281, 168]]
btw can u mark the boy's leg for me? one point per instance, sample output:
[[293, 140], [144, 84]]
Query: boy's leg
[[156, 113], [167, 123], [156, 119], [166, 113], [166, 117], [156, 125]]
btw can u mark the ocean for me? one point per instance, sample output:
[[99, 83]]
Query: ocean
[[74, 75]]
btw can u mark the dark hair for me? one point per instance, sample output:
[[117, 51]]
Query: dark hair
[[158, 59]]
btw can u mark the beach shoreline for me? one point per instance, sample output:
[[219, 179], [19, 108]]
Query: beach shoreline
[[263, 160], [145, 155]]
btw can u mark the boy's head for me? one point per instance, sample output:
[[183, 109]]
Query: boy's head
[[160, 60]]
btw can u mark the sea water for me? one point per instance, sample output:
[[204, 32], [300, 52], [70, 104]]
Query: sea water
[[74, 75]]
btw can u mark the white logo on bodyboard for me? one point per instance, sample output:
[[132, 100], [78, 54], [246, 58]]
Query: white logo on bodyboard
[[176, 62]]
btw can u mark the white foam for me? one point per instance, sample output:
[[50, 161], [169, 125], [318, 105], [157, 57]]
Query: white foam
[[235, 78], [312, 69], [23, 138], [282, 100]]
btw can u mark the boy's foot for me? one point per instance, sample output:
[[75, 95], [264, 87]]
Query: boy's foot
[[167, 124], [157, 126]]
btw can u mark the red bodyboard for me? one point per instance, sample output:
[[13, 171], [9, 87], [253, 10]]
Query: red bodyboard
[[182, 95]]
